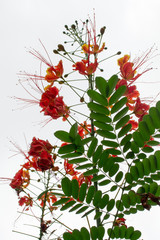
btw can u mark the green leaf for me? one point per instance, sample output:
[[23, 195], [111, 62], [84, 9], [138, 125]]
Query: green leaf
[[122, 231], [90, 194], [135, 235], [67, 148], [73, 131], [148, 120], [110, 233], [143, 129], [86, 140], [101, 84], [108, 164], [61, 201], [120, 114], [114, 169], [134, 172], [110, 143], [77, 160], [119, 205], [103, 126], [68, 236], [147, 149], [114, 151], [76, 234], [76, 207], [90, 172], [92, 147], [82, 209], [116, 231], [97, 178], [68, 205], [84, 166], [155, 115], [63, 136], [97, 97], [105, 182], [94, 233], [110, 205], [66, 186], [129, 232], [116, 96], [82, 192], [126, 139], [126, 200], [106, 134], [104, 201], [97, 154], [97, 215], [129, 178], [85, 234], [75, 188], [100, 117], [153, 143], [71, 155], [103, 158], [134, 147], [101, 232], [153, 188], [118, 105], [119, 176], [137, 136], [112, 82], [124, 130], [147, 166], [98, 108], [140, 168], [88, 212], [97, 198], [153, 163], [122, 122], [157, 155]]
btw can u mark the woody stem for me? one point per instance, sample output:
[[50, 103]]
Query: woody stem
[[91, 86]]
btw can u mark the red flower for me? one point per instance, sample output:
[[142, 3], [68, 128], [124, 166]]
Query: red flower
[[53, 73], [69, 168], [134, 124], [85, 67], [50, 198], [81, 178], [120, 222], [140, 109], [27, 200], [21, 180], [37, 146], [52, 104], [45, 161], [129, 69], [84, 129]]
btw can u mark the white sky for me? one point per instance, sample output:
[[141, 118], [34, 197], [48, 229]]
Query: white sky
[[131, 26]]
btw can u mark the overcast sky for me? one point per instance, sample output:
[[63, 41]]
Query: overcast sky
[[132, 26]]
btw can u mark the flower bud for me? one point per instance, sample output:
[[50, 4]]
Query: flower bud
[[82, 99], [61, 47], [55, 51], [102, 30], [73, 27], [118, 53]]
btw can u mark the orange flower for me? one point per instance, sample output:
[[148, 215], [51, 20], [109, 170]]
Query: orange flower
[[129, 69], [85, 67], [50, 198], [53, 73], [81, 178], [92, 49], [69, 168], [84, 129]]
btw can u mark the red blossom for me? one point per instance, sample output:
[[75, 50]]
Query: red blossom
[[84, 129], [45, 161], [120, 222], [140, 109], [81, 178], [37, 146], [69, 168], [21, 180], [50, 198], [85, 67], [53, 73], [27, 201], [52, 104]]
